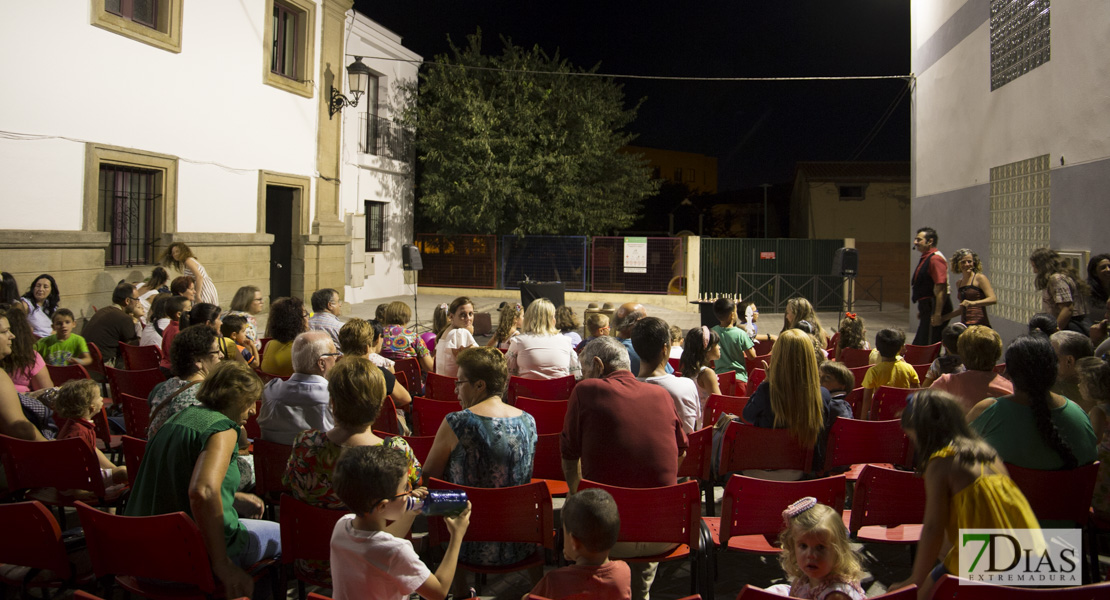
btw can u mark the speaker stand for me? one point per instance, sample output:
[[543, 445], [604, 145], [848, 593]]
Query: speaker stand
[[415, 309], [851, 277]]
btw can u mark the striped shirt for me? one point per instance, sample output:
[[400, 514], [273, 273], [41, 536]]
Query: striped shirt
[[206, 290]]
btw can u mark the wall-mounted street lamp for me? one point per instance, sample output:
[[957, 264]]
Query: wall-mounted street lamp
[[358, 76]]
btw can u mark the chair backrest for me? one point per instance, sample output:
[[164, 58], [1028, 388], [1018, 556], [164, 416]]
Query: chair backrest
[[97, 357], [262, 343], [411, 368], [306, 530], [699, 455], [483, 323], [133, 450], [727, 382], [854, 357], [136, 414], [140, 357], [402, 379], [949, 586], [921, 355], [755, 377], [855, 400], [270, 459], [547, 462], [387, 418], [521, 513], [717, 404], [32, 538], [166, 547], [1057, 495], [921, 370], [763, 348], [754, 506], [889, 402], [441, 387], [541, 389], [64, 464], [676, 364], [137, 383], [853, 442], [427, 414], [858, 373], [421, 445], [253, 429], [549, 414], [102, 428], [752, 363], [60, 374], [751, 447], [664, 514], [888, 498]]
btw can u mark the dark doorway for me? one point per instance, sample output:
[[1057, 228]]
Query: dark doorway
[[279, 223]]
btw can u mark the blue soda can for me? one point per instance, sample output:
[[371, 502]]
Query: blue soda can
[[439, 503]]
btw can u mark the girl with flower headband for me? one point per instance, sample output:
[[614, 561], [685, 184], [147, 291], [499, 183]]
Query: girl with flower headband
[[852, 334], [817, 554], [457, 336], [701, 346]]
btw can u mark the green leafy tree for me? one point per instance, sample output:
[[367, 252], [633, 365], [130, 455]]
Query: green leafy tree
[[516, 144]]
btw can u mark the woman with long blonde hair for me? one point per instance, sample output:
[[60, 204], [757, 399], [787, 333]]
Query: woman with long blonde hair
[[799, 309], [540, 352]]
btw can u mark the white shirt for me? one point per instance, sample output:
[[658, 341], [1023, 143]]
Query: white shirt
[[150, 335], [684, 392], [533, 356], [456, 339], [373, 564], [290, 407]]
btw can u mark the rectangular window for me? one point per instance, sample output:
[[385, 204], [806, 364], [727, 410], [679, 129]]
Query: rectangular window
[[144, 12], [128, 198], [677, 175], [154, 22], [283, 61], [288, 43], [850, 192], [375, 226]]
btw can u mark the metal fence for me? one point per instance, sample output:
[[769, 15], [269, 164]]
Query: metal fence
[[383, 137], [544, 258], [666, 267], [785, 268], [770, 291], [458, 260]]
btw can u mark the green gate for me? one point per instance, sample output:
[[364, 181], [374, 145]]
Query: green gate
[[770, 271]]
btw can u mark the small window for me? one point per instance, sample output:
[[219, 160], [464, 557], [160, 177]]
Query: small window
[[289, 45], [375, 226], [144, 12], [154, 22], [128, 198], [851, 192], [284, 57], [677, 175]]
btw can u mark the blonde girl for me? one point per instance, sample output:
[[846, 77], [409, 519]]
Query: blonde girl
[[817, 555], [180, 257], [509, 322], [799, 309], [701, 346], [456, 337]]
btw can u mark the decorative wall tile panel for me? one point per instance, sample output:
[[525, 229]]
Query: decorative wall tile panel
[[1020, 208], [1019, 38]]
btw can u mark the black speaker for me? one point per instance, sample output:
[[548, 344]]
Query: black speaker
[[410, 258], [845, 261]]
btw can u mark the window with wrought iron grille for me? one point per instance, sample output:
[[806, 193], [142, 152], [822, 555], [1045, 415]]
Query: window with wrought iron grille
[[128, 207], [375, 226]]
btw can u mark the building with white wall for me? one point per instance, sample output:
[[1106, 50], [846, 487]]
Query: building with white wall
[[1011, 140], [377, 163], [132, 125]]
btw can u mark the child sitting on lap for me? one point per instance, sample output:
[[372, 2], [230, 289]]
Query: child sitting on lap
[[369, 556], [891, 371], [817, 554], [78, 401], [590, 527]]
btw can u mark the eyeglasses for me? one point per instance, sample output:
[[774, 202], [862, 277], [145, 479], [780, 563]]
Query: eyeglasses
[[327, 354], [407, 492], [459, 382]]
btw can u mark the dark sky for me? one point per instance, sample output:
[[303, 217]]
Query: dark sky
[[757, 130]]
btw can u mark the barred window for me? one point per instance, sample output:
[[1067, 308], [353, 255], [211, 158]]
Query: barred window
[[128, 198], [375, 226]]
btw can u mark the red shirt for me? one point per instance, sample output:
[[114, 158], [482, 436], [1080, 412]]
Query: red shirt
[[168, 334], [938, 267], [79, 428], [610, 581], [626, 432]]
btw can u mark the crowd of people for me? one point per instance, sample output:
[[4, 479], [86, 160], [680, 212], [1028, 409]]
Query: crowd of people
[[318, 383]]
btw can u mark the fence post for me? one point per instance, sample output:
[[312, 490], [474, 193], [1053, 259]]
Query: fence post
[[693, 270]]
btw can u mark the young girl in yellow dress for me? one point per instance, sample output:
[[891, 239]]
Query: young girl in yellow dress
[[966, 485]]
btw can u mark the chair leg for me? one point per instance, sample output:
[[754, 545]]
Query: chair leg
[[1094, 571], [710, 501]]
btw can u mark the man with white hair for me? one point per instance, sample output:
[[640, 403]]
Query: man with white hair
[[301, 403], [624, 432]]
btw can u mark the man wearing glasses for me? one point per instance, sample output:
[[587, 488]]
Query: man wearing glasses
[[301, 403], [113, 324]]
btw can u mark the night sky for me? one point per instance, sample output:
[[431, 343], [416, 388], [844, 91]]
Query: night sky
[[757, 130]]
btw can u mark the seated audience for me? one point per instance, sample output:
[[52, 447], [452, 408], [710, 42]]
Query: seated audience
[[836, 378], [370, 556], [1070, 346], [152, 286], [591, 524], [540, 352], [9, 289], [41, 300], [363, 339], [24, 364], [189, 467], [64, 347], [799, 309], [326, 307], [235, 328], [457, 335], [652, 339], [1034, 427], [301, 402], [157, 321], [194, 353], [567, 323], [703, 346], [509, 321], [677, 342], [979, 349], [14, 421], [288, 319], [176, 308], [113, 325], [891, 370], [184, 286], [402, 342], [736, 346], [950, 361], [246, 303], [208, 315], [78, 401], [1094, 383], [852, 334], [1044, 323], [597, 325]]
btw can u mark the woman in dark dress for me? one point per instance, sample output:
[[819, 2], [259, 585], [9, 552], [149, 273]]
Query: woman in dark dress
[[973, 290]]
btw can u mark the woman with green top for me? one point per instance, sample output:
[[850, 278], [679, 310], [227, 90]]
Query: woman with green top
[[190, 466]]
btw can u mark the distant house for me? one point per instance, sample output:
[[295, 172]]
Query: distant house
[[868, 201], [697, 171]]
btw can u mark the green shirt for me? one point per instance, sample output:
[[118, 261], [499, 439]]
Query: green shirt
[[57, 352], [162, 484], [734, 343], [1011, 429]]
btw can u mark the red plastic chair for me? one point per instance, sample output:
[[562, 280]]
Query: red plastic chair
[[262, 342], [718, 404], [763, 348], [440, 387], [730, 385], [541, 389], [107, 442], [855, 400], [305, 535], [889, 402], [140, 357], [751, 512], [698, 464], [1063, 495], [750, 447], [411, 368], [854, 357], [60, 374], [133, 450], [854, 443], [888, 506], [858, 373], [270, 459], [38, 470], [136, 414], [950, 587], [33, 539], [675, 363], [921, 370], [521, 513], [547, 464], [662, 515], [387, 418], [830, 344], [921, 355], [755, 378], [137, 383], [97, 365], [421, 445], [752, 363], [428, 414], [253, 429], [549, 414], [402, 379], [136, 550], [1000, 369]]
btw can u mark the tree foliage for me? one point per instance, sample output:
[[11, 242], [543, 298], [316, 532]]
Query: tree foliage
[[513, 144]]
